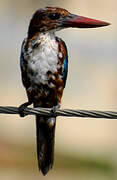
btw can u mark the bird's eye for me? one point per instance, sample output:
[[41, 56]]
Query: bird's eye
[[54, 16]]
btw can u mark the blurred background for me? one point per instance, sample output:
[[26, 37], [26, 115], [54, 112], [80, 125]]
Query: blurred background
[[85, 149]]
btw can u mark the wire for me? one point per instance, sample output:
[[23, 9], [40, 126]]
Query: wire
[[60, 112]]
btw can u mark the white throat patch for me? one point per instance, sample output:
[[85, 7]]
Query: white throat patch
[[43, 58]]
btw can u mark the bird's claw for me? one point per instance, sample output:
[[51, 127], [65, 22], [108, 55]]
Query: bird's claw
[[22, 108], [54, 109]]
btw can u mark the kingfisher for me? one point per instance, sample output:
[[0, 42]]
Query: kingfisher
[[44, 69]]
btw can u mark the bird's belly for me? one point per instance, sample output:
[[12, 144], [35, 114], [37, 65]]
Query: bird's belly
[[45, 95], [46, 85]]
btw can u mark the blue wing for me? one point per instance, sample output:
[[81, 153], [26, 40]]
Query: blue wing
[[65, 65], [21, 59], [65, 70], [21, 54], [65, 62]]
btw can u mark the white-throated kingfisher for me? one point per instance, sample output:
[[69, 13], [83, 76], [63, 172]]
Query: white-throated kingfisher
[[44, 67]]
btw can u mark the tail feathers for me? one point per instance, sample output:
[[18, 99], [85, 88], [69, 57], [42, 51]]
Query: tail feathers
[[45, 132]]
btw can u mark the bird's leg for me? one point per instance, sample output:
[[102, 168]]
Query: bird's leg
[[22, 107]]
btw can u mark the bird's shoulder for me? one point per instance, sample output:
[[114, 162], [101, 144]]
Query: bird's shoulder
[[62, 46]]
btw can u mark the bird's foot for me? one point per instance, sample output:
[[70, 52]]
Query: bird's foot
[[22, 107], [52, 119], [54, 109]]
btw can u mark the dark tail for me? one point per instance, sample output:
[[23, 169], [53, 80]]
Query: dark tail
[[45, 132]]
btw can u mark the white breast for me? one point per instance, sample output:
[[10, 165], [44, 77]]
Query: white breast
[[43, 59]]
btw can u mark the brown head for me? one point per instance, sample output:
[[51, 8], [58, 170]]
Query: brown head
[[53, 18]]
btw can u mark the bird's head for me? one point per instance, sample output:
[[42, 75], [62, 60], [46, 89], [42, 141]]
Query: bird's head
[[53, 18]]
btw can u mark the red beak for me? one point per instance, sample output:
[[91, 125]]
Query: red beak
[[83, 22]]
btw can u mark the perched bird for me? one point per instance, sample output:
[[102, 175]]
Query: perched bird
[[44, 68]]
